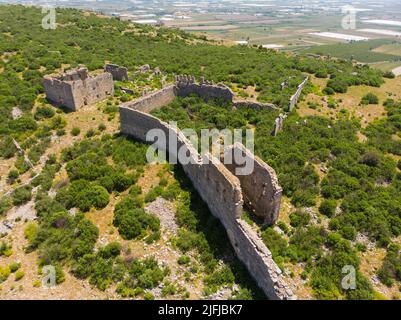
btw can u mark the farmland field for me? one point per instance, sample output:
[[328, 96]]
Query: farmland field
[[364, 51]]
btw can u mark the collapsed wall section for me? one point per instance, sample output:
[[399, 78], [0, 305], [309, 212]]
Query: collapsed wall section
[[222, 192], [261, 190]]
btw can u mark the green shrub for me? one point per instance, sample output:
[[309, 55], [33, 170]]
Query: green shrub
[[31, 231], [306, 243], [14, 266], [390, 271], [153, 194], [276, 244], [4, 273], [60, 132], [371, 159], [7, 147], [23, 124], [146, 273], [182, 260], [299, 218], [134, 223], [370, 98], [153, 237], [75, 131], [222, 277], [168, 289], [328, 207], [44, 113], [113, 249], [5, 249], [102, 127], [13, 175], [5, 205], [90, 133], [19, 275], [148, 296], [135, 190], [83, 195], [22, 195]]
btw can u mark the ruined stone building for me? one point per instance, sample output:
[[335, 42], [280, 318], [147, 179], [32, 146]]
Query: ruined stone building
[[221, 187], [118, 73], [77, 88]]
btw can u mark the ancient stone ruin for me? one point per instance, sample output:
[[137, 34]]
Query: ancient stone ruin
[[142, 69], [223, 191], [118, 73], [296, 95], [186, 85], [278, 124], [261, 190], [77, 88]]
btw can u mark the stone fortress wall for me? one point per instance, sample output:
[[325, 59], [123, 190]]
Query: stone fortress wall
[[279, 122], [261, 190], [77, 88], [154, 100], [297, 94], [186, 86], [224, 192]]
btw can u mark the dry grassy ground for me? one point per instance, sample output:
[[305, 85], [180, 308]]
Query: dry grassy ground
[[72, 288], [350, 101], [372, 259]]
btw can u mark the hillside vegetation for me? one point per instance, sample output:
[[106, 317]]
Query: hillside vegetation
[[89, 189]]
